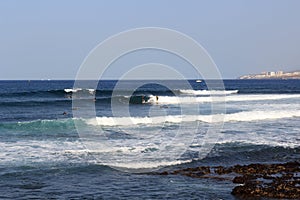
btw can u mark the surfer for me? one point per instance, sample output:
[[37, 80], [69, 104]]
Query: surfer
[[143, 99], [156, 98], [65, 113]]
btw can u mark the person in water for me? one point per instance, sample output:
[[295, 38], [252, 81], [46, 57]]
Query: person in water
[[143, 99], [156, 98]]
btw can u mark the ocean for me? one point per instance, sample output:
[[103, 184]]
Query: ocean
[[60, 142]]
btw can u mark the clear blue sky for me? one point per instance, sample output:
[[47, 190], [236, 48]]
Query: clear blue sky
[[50, 39]]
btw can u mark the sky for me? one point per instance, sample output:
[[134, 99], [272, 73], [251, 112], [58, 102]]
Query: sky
[[51, 39]]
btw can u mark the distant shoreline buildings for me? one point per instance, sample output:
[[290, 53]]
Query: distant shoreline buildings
[[273, 75]]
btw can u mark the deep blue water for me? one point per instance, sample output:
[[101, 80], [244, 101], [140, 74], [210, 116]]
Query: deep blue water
[[42, 154]]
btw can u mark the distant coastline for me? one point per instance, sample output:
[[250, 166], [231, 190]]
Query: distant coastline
[[273, 75]]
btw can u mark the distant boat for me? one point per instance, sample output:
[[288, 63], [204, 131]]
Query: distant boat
[[198, 81]]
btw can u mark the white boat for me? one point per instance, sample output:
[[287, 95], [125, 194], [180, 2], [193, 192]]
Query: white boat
[[198, 81]]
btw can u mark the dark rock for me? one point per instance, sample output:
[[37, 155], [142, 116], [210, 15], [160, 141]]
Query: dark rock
[[259, 180], [282, 185], [164, 173], [243, 179]]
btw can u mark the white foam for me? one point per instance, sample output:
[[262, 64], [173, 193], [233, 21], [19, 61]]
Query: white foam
[[262, 115], [270, 137], [128, 121], [136, 163], [235, 98], [268, 140], [261, 97], [243, 116], [209, 92], [73, 90], [91, 91], [38, 151], [145, 165], [68, 90]]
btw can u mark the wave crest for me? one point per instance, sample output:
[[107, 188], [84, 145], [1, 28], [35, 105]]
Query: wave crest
[[244, 116], [209, 92]]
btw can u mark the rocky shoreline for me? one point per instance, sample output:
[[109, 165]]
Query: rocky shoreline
[[253, 180]]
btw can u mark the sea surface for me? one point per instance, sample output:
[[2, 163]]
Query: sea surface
[[60, 142]]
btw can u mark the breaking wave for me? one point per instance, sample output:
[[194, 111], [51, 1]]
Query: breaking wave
[[233, 98], [244, 116], [209, 92]]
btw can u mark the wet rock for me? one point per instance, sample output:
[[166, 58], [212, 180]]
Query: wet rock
[[275, 181], [164, 173], [258, 180], [221, 170], [244, 179]]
